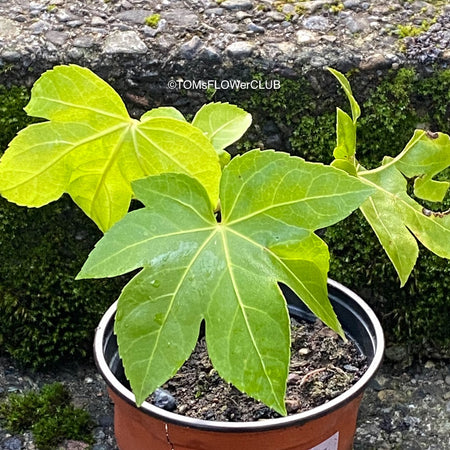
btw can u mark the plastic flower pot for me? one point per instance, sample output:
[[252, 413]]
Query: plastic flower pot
[[330, 426]]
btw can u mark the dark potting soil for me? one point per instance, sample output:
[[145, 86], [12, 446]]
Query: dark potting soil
[[322, 367]]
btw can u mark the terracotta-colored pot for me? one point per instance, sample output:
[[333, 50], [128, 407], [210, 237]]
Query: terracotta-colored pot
[[330, 426]]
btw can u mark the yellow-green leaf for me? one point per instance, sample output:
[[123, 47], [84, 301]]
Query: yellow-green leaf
[[91, 148], [346, 136], [222, 123], [397, 219], [356, 110]]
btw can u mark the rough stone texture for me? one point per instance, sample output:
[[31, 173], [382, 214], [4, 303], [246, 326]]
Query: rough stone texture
[[405, 407], [207, 39]]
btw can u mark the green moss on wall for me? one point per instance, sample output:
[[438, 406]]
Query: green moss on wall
[[434, 100], [388, 118], [417, 314], [45, 315], [12, 116]]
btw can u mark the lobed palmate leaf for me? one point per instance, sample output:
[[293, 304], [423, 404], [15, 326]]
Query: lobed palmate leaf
[[396, 218], [225, 272], [90, 148]]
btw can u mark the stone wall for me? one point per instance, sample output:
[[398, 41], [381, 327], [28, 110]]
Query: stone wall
[[142, 45]]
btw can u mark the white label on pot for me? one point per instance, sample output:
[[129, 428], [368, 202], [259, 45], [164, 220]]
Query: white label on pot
[[330, 444]]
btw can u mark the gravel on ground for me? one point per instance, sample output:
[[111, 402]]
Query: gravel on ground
[[404, 408]]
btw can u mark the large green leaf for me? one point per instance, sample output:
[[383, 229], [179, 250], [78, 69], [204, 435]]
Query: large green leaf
[[225, 272], [396, 218], [92, 149]]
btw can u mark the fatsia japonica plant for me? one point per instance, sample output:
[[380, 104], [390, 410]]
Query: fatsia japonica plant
[[215, 236]]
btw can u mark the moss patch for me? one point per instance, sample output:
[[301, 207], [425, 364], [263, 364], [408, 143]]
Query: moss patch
[[12, 116], [48, 414], [46, 315], [153, 20]]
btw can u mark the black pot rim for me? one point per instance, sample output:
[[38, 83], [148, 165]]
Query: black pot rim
[[221, 426]]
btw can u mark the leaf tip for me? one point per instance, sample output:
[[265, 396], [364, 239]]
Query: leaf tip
[[81, 275]]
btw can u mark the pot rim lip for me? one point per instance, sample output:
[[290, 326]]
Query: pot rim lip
[[222, 426]]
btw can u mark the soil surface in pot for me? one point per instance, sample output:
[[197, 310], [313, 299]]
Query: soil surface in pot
[[322, 367]]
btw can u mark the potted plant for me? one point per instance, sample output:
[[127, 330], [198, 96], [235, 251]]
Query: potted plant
[[220, 242]]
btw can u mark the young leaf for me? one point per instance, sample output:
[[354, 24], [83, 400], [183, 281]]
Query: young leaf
[[163, 111], [222, 123], [396, 218], [346, 129], [356, 110], [346, 137], [226, 273], [91, 148]]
